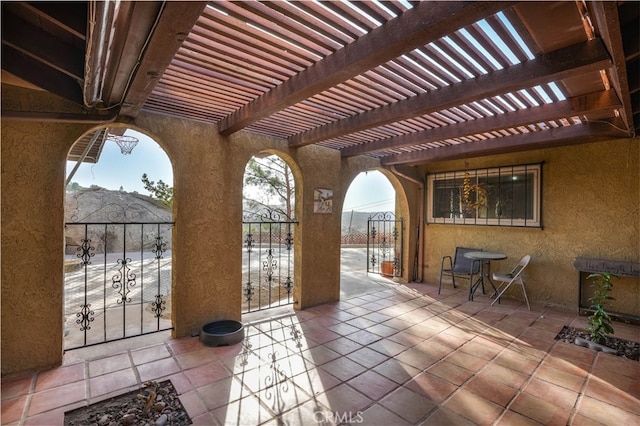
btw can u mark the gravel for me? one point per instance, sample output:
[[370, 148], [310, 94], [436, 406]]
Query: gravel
[[623, 348], [155, 404]]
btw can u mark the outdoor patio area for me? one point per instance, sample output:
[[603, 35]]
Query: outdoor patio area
[[401, 354]]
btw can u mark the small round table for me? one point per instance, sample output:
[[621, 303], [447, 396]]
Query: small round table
[[484, 257]]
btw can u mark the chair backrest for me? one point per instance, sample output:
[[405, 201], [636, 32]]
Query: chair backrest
[[517, 270], [462, 263]]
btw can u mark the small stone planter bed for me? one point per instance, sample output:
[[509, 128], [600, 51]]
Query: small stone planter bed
[[623, 348], [155, 404]]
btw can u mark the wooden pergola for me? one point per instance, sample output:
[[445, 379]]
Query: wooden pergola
[[403, 81]]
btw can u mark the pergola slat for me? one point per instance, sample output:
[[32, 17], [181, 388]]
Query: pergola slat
[[414, 28], [604, 101], [573, 60]]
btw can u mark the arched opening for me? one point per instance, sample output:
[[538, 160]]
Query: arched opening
[[118, 235], [368, 222], [269, 222]]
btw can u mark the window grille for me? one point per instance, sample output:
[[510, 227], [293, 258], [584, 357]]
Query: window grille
[[501, 196]]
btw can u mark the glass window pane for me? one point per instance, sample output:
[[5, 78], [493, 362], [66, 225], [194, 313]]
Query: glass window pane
[[506, 196], [446, 198]]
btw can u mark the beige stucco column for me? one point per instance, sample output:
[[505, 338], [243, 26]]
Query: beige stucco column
[[208, 179], [33, 173], [208, 173], [207, 212]]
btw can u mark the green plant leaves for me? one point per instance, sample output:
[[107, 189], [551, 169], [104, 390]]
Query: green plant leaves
[[600, 321]]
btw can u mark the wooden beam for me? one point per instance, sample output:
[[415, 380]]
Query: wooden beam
[[38, 74], [70, 16], [425, 22], [605, 101], [608, 24], [554, 137], [633, 71], [135, 22], [553, 66], [42, 46], [174, 24], [631, 39]]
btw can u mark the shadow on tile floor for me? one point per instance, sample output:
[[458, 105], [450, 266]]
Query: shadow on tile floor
[[396, 355]]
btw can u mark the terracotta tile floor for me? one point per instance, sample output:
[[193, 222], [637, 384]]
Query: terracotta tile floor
[[400, 355]]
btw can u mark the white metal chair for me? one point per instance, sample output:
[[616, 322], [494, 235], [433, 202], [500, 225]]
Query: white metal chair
[[515, 276]]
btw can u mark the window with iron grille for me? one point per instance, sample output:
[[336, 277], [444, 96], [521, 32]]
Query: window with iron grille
[[501, 196]]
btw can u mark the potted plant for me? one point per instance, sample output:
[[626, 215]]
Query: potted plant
[[387, 268]]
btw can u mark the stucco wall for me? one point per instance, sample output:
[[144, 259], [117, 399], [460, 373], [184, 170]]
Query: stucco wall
[[207, 239], [591, 198], [208, 177], [590, 208], [208, 173], [32, 196]]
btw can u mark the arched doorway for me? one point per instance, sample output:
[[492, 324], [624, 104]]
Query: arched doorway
[[118, 265], [370, 196], [269, 225]]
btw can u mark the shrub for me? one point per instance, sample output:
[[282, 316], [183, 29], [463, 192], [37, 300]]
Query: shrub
[[600, 321]]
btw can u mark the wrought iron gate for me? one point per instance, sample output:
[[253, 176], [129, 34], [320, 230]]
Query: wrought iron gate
[[117, 280], [384, 244], [267, 267]]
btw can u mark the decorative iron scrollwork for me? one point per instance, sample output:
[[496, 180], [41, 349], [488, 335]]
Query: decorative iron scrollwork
[[373, 233], [396, 265], [268, 241], [248, 291], [289, 241], [269, 265], [384, 242], [288, 285], [85, 252], [248, 242], [268, 215], [384, 248], [382, 216], [159, 306], [85, 317], [124, 288], [116, 283], [160, 247]]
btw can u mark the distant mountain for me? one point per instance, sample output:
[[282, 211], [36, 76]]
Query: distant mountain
[[355, 222]]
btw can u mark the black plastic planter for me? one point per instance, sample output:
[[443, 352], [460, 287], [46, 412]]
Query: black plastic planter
[[221, 333]]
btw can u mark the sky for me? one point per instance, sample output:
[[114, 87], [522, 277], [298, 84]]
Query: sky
[[369, 192], [114, 169]]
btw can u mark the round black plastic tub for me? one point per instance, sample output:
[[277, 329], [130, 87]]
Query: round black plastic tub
[[223, 332]]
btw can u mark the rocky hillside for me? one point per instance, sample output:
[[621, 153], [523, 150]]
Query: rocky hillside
[[100, 207], [98, 204]]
